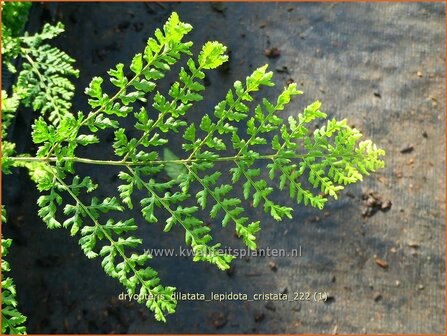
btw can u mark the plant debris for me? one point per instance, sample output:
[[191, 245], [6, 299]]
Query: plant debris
[[380, 262], [377, 296], [413, 244], [272, 52], [407, 149], [373, 202]]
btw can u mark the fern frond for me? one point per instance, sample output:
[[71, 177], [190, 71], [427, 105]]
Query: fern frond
[[119, 257], [14, 16], [9, 109], [43, 82], [158, 57], [12, 319], [270, 154]]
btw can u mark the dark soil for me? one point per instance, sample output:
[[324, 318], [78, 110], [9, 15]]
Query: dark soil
[[380, 65]]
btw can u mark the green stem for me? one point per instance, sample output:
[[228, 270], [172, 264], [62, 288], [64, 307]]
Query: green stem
[[154, 162]]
